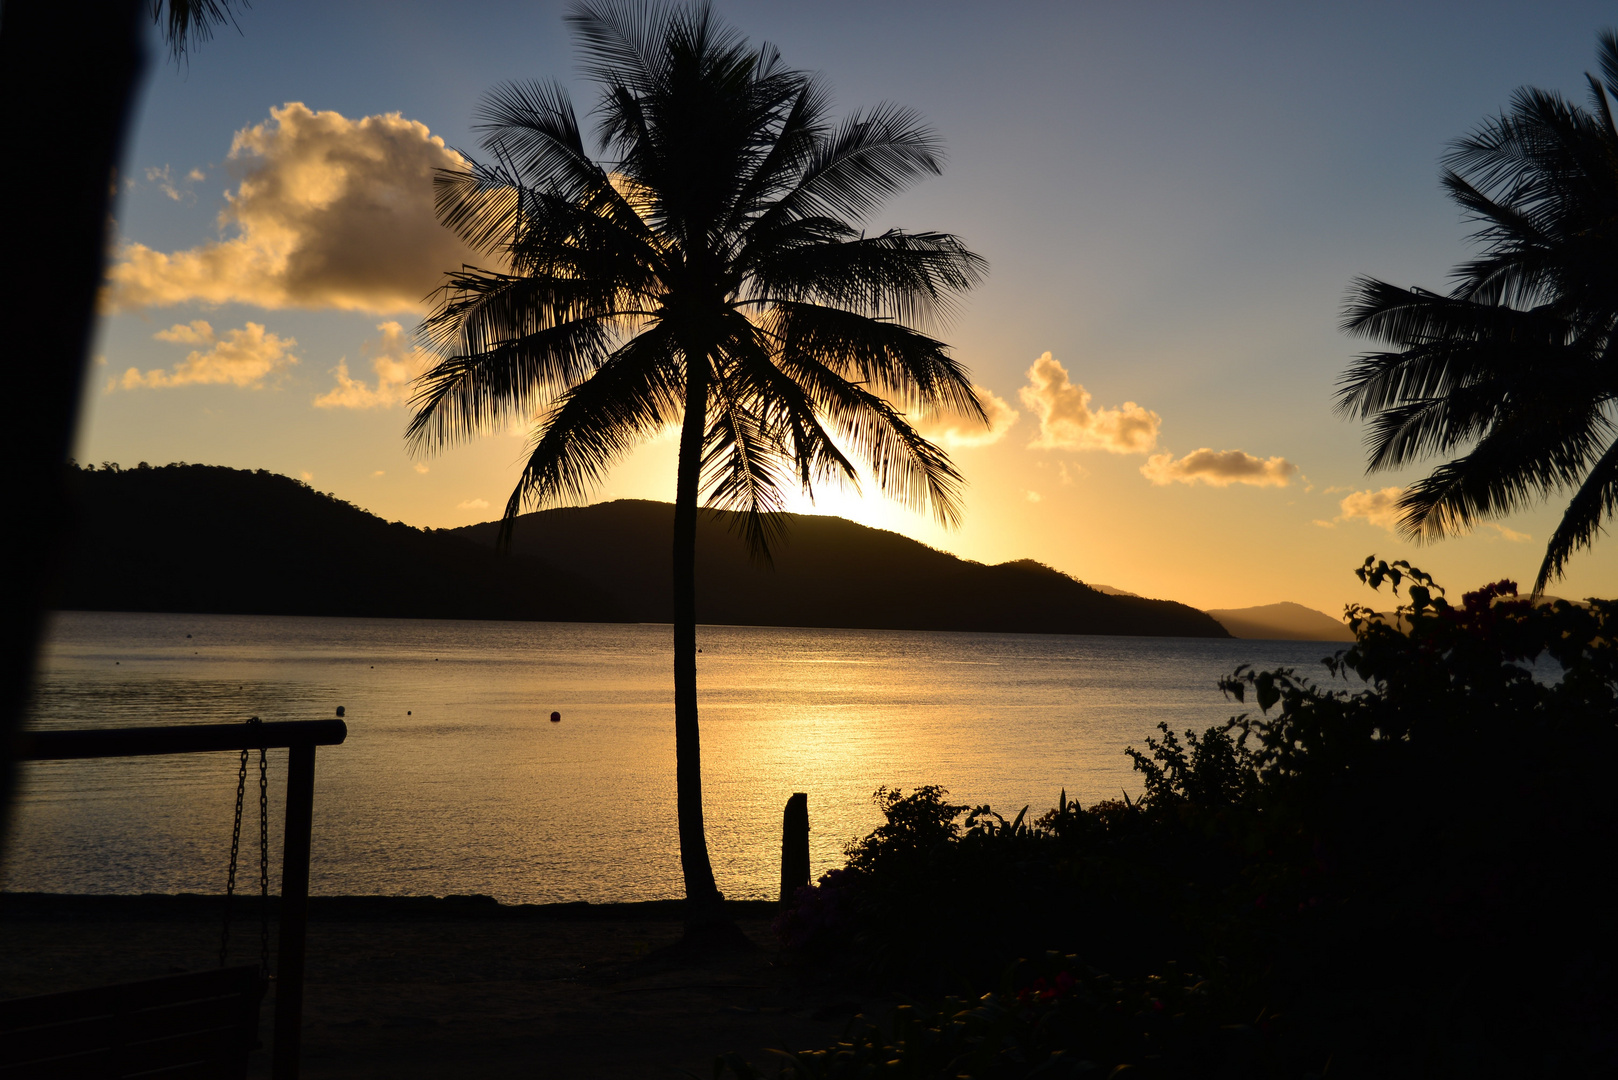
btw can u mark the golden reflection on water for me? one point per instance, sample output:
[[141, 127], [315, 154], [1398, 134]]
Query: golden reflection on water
[[453, 780]]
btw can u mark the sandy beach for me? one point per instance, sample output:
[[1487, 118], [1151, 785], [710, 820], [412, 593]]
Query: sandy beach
[[424, 987]]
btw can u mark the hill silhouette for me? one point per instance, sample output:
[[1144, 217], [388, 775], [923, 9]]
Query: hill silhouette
[[1285, 621], [204, 538], [828, 572]]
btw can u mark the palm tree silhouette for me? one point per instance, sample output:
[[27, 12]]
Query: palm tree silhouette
[[1517, 362], [706, 273]]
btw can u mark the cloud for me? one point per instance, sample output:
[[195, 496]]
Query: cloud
[[1380, 508], [1066, 421], [244, 357], [164, 179], [1219, 468], [330, 213], [1510, 535], [1032, 496], [473, 504], [421, 468], [957, 431], [395, 361]]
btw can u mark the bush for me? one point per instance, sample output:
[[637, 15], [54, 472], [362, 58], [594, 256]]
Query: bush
[[1400, 859]]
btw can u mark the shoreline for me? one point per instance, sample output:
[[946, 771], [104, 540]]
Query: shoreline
[[473, 906], [418, 986]]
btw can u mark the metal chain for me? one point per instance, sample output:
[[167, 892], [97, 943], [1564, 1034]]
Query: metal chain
[[263, 864], [235, 848], [263, 858]]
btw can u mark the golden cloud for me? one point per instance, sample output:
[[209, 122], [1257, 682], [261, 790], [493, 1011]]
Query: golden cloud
[[395, 361], [953, 431], [1509, 535], [331, 213], [1380, 508], [244, 357], [1219, 468], [1067, 422]]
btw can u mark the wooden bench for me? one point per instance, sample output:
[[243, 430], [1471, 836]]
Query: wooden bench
[[197, 1025]]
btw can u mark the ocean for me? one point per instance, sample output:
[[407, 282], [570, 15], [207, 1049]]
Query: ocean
[[454, 781]]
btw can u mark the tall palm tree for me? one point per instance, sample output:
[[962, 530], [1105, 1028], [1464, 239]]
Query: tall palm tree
[[707, 272], [1517, 362]]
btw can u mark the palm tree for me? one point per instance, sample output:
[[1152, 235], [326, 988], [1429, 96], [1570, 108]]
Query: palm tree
[[1517, 362], [706, 272]]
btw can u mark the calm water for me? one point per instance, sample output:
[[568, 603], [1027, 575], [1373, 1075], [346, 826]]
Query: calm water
[[453, 781]]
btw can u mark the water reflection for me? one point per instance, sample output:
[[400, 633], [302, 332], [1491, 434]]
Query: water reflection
[[453, 780]]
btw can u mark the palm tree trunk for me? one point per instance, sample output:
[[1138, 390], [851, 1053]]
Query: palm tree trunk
[[703, 901], [56, 246]]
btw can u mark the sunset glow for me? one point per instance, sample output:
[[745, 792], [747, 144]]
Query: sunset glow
[[1170, 225]]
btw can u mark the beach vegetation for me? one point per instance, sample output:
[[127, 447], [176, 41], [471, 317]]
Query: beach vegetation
[[1389, 869]]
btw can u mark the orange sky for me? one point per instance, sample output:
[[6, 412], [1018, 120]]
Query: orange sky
[[1170, 228]]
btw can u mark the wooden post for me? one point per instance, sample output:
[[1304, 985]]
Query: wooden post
[[294, 911], [794, 846]]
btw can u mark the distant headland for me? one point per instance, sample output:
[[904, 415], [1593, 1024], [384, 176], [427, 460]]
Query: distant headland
[[200, 538]]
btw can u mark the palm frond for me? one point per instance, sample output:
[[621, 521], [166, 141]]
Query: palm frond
[[910, 277], [634, 394], [1591, 506], [902, 364]]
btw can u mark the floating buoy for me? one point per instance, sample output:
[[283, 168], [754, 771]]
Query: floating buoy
[[339, 712], [407, 712], [556, 718]]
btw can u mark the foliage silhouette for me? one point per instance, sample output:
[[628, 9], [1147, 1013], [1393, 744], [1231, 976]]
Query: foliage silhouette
[[1391, 872], [709, 272], [1516, 361]]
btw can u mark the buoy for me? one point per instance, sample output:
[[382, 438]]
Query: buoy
[[339, 712], [407, 712], [556, 718]]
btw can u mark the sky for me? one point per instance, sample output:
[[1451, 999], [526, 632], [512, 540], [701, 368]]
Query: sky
[[1172, 199]]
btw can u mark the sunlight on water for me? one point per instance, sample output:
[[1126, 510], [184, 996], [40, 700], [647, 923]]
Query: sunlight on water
[[453, 780]]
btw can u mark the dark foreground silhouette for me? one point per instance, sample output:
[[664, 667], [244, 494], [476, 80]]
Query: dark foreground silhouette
[[199, 538], [1393, 867]]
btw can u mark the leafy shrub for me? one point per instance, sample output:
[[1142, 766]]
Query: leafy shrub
[[1400, 858]]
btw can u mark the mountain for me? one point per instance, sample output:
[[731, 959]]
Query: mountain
[[1285, 621], [203, 538], [827, 572]]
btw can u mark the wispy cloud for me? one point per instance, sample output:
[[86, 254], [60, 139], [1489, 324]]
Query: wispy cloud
[[1509, 535], [1067, 422], [473, 504], [164, 180], [1219, 468], [331, 213], [394, 360], [243, 357]]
